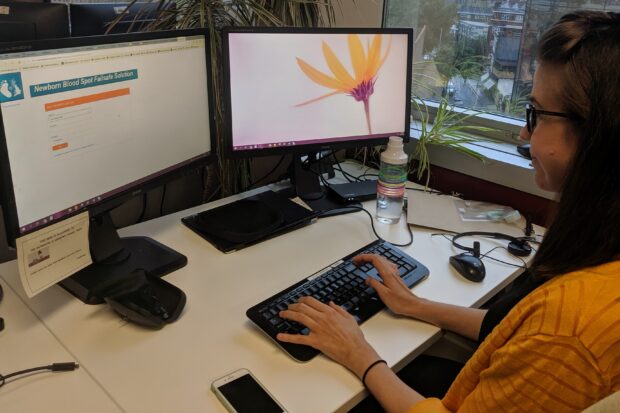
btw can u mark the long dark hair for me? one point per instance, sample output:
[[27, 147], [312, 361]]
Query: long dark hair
[[586, 228]]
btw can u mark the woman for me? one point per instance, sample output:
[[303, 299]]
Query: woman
[[558, 348]]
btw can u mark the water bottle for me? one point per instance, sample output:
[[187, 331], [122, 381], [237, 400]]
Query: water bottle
[[391, 183]]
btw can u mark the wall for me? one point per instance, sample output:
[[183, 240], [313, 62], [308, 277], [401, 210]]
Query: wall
[[359, 13]]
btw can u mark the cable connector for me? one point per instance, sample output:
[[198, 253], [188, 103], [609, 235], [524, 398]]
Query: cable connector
[[70, 366]]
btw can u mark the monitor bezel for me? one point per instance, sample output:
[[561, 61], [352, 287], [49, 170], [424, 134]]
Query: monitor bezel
[[9, 206], [313, 147]]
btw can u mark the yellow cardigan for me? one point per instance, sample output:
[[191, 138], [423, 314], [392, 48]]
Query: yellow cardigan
[[557, 350]]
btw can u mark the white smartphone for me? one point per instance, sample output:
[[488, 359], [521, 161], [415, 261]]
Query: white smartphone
[[240, 392]]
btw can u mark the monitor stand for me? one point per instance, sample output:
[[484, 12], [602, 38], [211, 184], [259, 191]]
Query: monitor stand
[[114, 258], [306, 181]]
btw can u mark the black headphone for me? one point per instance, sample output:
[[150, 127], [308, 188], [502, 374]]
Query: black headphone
[[516, 246], [469, 264]]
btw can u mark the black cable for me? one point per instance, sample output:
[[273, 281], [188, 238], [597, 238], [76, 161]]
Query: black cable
[[213, 194], [1, 319], [372, 224], [143, 212], [267, 174], [364, 175], [530, 239], [529, 227], [203, 178], [444, 234], [486, 254], [163, 198], [70, 366], [309, 161], [348, 176]]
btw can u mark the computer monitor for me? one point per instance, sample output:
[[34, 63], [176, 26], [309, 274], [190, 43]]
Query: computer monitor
[[32, 21], [300, 91], [87, 123], [89, 19]]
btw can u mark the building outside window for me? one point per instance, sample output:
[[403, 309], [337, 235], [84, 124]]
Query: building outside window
[[480, 54]]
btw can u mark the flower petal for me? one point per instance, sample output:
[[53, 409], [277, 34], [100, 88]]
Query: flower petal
[[387, 52], [374, 53], [337, 68], [358, 57], [319, 77], [319, 98]]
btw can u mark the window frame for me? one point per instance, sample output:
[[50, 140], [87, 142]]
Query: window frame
[[506, 128]]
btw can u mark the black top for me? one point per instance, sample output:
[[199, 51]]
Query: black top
[[498, 310]]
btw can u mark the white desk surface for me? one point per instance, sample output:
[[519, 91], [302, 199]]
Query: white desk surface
[[170, 370], [26, 343]]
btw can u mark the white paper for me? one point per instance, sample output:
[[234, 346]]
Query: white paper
[[440, 212], [53, 253], [300, 202]]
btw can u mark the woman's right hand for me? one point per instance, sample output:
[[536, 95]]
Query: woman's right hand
[[393, 291], [399, 298]]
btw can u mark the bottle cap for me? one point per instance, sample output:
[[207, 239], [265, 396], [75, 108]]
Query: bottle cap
[[395, 141]]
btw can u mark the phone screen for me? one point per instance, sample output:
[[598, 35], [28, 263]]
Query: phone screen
[[246, 395]]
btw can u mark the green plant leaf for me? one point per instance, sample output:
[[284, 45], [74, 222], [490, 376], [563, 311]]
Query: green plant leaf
[[448, 128]]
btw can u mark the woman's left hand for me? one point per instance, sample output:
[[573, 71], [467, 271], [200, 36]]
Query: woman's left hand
[[333, 331]]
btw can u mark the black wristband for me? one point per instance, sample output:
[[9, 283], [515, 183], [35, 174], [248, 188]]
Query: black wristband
[[369, 368]]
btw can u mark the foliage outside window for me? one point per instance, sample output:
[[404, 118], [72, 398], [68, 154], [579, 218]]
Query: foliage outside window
[[480, 54]]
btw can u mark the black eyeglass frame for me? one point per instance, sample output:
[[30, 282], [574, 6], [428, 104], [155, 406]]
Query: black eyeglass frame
[[531, 114]]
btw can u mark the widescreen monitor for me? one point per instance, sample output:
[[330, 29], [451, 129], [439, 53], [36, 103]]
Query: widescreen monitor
[[89, 19], [301, 90], [87, 123], [32, 21]]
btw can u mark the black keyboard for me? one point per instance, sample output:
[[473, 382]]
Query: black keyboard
[[341, 282]]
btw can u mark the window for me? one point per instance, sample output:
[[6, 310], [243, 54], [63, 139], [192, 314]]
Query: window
[[479, 54]]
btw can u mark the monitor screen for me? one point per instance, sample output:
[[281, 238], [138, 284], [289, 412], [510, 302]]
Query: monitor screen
[[88, 19], [298, 89], [31, 21], [87, 123]]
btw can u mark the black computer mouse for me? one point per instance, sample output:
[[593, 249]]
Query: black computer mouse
[[468, 266]]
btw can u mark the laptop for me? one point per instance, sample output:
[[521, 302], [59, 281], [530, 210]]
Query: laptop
[[248, 221]]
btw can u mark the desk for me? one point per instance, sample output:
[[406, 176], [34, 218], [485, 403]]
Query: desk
[[170, 370], [25, 343]]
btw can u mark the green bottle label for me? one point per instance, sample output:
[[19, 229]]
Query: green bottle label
[[392, 180]]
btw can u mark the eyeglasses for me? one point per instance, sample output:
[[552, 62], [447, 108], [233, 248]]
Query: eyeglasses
[[531, 115]]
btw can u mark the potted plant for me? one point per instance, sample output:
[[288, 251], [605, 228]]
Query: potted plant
[[446, 128]]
